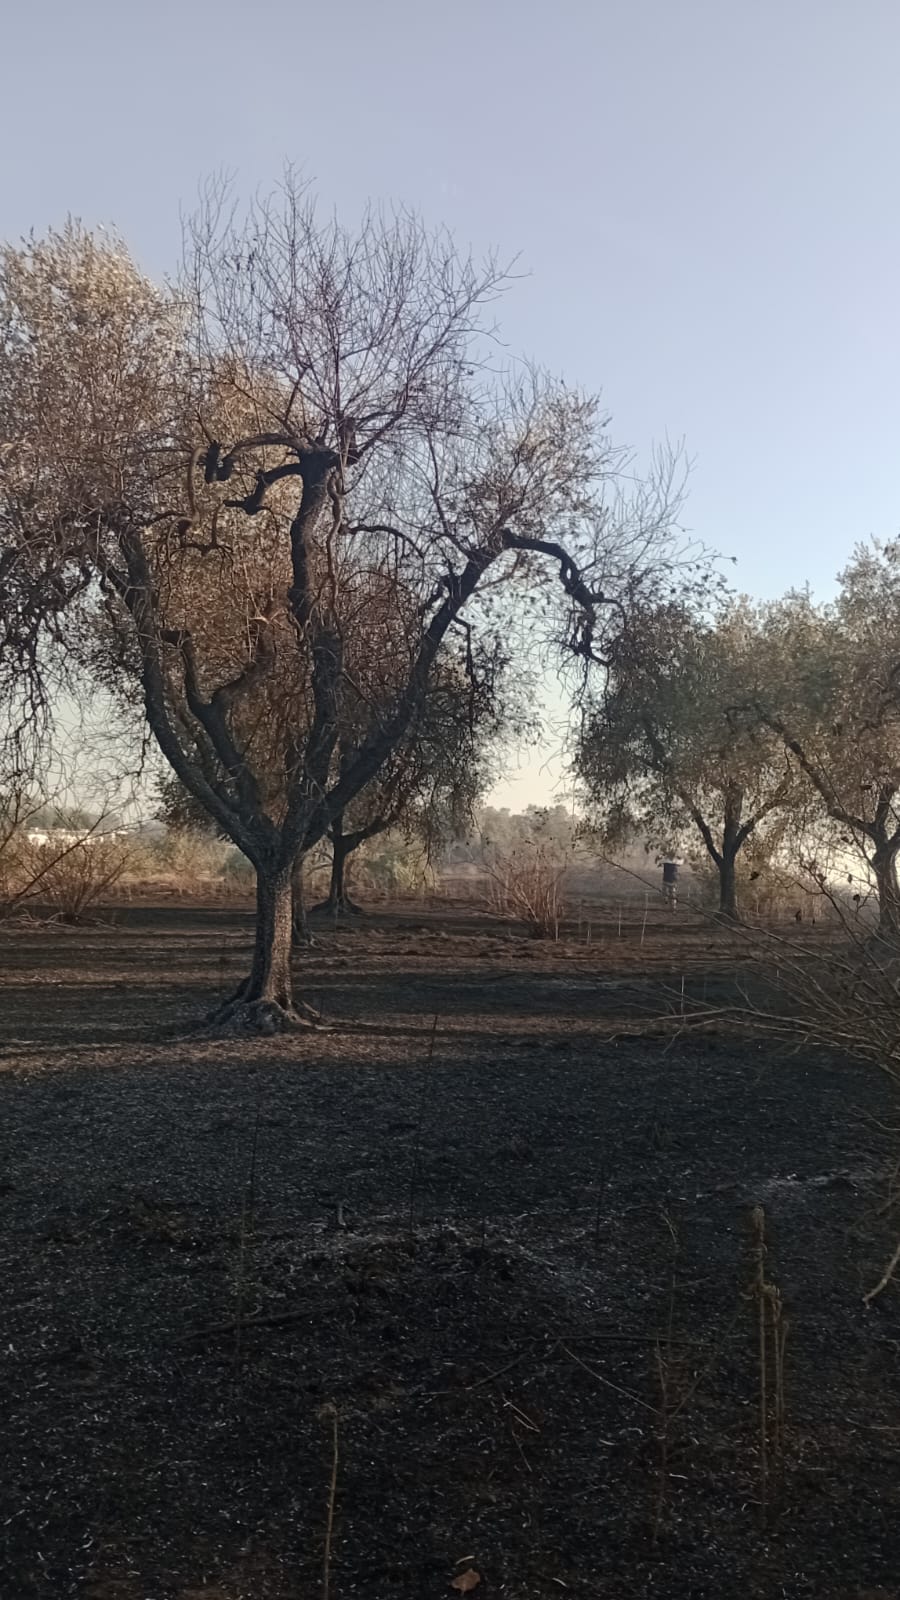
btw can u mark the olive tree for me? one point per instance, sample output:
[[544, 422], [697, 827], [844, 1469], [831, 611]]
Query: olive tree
[[306, 419], [40, 583], [834, 700], [671, 749]]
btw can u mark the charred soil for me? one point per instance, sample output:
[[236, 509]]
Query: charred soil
[[491, 1233]]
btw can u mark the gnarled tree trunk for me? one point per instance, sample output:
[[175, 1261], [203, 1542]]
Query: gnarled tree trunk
[[265, 1000], [342, 846], [734, 833], [270, 974], [728, 905], [301, 930], [884, 866]]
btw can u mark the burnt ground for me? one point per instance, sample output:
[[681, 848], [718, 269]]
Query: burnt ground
[[503, 1259]]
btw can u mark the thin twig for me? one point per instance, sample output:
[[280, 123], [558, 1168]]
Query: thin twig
[[885, 1278], [759, 1284], [248, 1205], [664, 1373], [330, 1410], [607, 1382], [280, 1319], [417, 1149], [501, 1371]]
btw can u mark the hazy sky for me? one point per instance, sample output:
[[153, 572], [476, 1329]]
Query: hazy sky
[[704, 195]]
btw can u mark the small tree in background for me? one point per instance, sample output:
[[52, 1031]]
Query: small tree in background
[[832, 695], [673, 752], [429, 787]]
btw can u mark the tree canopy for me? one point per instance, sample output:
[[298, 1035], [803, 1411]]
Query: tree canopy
[[308, 421], [835, 703]]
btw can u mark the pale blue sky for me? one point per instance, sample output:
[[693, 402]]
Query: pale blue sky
[[704, 193]]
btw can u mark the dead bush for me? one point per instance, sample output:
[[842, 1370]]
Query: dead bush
[[526, 885], [11, 849], [32, 846], [837, 989], [834, 983], [392, 865], [72, 875], [183, 861]]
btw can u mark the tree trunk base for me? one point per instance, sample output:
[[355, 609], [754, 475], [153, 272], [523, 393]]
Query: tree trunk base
[[339, 908], [241, 1015], [265, 1018]]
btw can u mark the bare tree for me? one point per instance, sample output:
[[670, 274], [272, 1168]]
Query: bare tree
[[308, 419]]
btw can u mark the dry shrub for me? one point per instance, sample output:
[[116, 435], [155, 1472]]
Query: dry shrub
[[184, 863], [237, 875], [391, 865], [11, 863], [768, 892], [72, 876], [838, 989], [32, 859], [526, 885], [187, 861], [20, 810]]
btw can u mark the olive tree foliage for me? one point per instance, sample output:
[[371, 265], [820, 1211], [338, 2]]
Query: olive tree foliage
[[41, 580], [673, 751], [307, 419], [834, 700], [431, 783]]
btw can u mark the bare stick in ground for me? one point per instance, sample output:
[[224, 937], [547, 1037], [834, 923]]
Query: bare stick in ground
[[602, 1183], [417, 1150], [248, 1207], [759, 1288], [780, 1333], [771, 1326], [885, 1278], [330, 1410], [664, 1374]]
